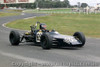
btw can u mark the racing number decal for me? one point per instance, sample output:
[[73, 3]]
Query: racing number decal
[[38, 36]]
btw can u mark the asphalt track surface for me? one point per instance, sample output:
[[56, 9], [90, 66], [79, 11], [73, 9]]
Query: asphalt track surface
[[28, 55]]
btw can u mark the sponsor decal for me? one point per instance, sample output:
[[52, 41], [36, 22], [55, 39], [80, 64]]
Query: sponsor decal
[[23, 0], [15, 1], [9, 1]]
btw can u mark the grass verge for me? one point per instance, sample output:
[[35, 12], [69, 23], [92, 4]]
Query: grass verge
[[64, 23], [49, 11], [9, 10], [2, 14]]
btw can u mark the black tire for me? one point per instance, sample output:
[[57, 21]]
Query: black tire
[[81, 37], [14, 38], [46, 41]]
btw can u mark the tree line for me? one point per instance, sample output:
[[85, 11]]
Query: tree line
[[41, 4], [52, 4], [45, 4]]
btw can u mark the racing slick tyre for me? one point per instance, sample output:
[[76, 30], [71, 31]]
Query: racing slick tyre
[[46, 41], [81, 37], [14, 38]]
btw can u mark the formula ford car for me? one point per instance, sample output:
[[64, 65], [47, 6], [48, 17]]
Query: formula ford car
[[47, 38]]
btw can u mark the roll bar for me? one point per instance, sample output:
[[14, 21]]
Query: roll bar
[[34, 27]]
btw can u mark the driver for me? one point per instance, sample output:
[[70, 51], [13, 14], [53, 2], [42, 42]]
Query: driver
[[43, 27]]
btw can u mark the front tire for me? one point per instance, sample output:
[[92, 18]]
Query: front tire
[[81, 37], [14, 38], [46, 41]]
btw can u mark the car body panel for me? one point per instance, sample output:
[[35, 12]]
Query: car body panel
[[71, 40]]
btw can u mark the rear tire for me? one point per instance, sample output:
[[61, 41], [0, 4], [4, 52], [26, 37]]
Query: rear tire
[[81, 37], [14, 38], [46, 41]]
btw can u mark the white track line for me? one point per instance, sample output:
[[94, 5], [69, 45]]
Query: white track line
[[30, 60], [30, 17], [4, 25], [27, 59], [85, 57]]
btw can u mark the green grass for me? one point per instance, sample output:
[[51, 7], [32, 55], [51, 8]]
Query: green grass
[[14, 10], [49, 11], [2, 14], [64, 23]]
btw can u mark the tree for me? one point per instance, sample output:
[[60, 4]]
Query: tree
[[66, 3], [43, 4], [83, 5]]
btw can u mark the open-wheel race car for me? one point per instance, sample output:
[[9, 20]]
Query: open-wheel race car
[[47, 38]]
